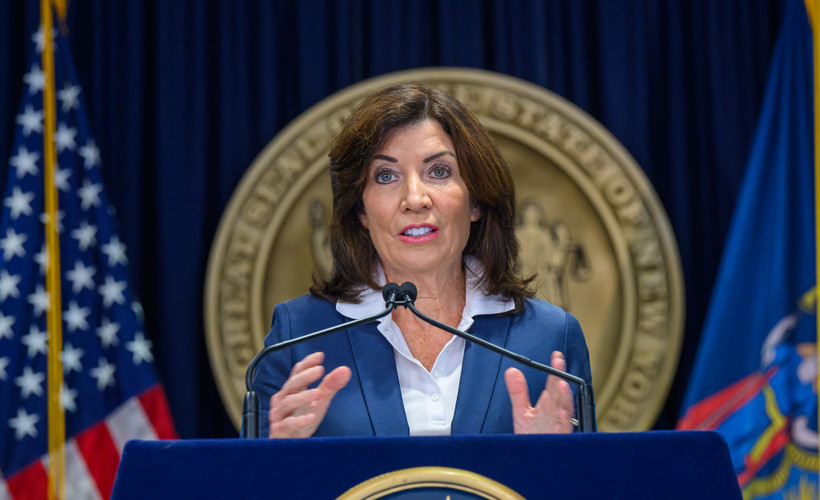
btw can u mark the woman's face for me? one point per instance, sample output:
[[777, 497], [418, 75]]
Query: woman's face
[[416, 204]]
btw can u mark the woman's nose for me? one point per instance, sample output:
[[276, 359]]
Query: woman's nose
[[416, 197]]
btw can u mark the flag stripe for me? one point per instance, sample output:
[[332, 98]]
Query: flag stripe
[[4, 490], [31, 483], [156, 408], [92, 457], [129, 422], [101, 455], [79, 483]]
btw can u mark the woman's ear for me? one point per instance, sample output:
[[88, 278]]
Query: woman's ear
[[476, 212], [363, 218]]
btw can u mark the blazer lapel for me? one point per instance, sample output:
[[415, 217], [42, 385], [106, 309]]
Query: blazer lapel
[[376, 366], [479, 374]]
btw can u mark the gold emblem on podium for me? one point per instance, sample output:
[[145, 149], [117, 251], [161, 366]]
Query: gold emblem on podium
[[590, 226], [430, 482]]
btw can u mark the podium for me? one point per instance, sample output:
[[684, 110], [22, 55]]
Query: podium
[[646, 465]]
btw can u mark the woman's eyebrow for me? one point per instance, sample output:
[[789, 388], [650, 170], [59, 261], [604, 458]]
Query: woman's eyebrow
[[438, 155], [386, 158]]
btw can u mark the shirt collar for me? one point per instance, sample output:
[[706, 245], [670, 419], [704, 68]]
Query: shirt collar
[[477, 301]]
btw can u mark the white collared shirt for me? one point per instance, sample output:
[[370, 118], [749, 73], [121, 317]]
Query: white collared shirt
[[429, 397]]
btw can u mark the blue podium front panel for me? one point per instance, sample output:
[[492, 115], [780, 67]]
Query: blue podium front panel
[[650, 465]]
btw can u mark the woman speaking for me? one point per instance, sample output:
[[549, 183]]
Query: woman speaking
[[420, 194]]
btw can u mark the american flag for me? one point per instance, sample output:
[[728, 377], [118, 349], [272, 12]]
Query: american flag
[[110, 393]]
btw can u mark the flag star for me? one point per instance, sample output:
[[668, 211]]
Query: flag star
[[80, 277], [5, 326], [40, 300], [71, 358], [30, 120], [61, 176], [115, 250], [140, 347], [107, 332], [25, 162], [36, 341], [19, 202], [12, 244], [136, 306], [75, 317], [39, 39], [23, 424], [30, 382], [112, 291], [86, 235], [60, 215], [69, 97], [64, 138], [8, 285], [90, 153], [67, 397], [104, 373], [90, 194], [35, 79], [41, 258], [4, 362]]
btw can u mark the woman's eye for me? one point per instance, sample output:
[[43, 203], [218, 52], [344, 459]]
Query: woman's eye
[[440, 172], [384, 176]]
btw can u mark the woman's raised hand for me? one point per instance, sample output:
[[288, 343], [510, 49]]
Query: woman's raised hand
[[297, 411], [554, 410]]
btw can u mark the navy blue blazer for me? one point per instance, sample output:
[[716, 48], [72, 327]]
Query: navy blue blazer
[[371, 403]]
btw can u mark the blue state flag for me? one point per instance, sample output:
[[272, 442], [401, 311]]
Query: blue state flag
[[755, 375]]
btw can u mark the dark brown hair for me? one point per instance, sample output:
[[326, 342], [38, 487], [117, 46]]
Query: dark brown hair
[[487, 175]]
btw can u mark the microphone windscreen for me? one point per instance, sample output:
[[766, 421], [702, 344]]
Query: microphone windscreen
[[409, 289], [389, 289]]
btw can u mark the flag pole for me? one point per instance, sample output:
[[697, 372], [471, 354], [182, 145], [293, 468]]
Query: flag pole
[[813, 8], [56, 415]]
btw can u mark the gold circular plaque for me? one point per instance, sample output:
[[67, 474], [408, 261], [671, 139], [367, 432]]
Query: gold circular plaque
[[436, 482], [590, 225]]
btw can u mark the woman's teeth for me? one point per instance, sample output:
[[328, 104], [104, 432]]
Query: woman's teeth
[[418, 231]]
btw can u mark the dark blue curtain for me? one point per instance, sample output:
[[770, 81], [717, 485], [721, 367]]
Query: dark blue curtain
[[182, 95]]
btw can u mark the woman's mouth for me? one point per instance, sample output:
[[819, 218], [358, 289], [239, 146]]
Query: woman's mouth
[[418, 231], [418, 234]]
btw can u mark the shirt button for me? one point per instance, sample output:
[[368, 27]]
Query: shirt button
[[436, 396], [436, 374]]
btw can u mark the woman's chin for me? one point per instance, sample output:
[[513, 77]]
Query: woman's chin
[[422, 268]]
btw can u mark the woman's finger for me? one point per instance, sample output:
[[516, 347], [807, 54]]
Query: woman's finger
[[299, 413], [517, 389], [334, 382], [287, 405], [304, 373], [558, 389], [290, 427], [309, 361]]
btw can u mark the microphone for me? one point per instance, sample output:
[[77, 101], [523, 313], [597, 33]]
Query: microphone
[[585, 401], [250, 405]]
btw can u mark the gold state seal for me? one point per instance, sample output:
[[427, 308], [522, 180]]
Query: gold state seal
[[589, 223]]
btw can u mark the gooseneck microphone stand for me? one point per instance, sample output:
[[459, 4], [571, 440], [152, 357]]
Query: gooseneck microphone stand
[[585, 400], [250, 405]]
